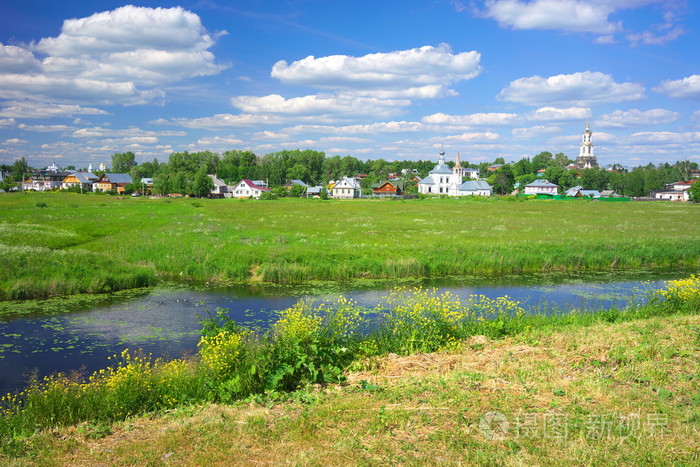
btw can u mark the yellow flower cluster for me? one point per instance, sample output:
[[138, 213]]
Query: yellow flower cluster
[[343, 318], [220, 351], [686, 290], [483, 308], [299, 322]]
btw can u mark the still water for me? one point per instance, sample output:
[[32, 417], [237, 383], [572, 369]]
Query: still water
[[165, 322]]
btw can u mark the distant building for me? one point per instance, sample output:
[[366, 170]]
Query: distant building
[[347, 188], [472, 188], [83, 180], [247, 189], [220, 188], [440, 179], [541, 187], [112, 182], [586, 159]]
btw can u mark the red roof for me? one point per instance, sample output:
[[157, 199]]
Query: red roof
[[253, 185]]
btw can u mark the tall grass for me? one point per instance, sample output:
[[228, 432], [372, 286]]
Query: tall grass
[[309, 343], [298, 240]]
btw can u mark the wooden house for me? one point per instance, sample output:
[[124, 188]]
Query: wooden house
[[112, 182], [389, 188]]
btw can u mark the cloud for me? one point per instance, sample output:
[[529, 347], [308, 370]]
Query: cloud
[[218, 141], [664, 137], [560, 114], [219, 121], [686, 88], [575, 89], [473, 120], [471, 137], [650, 38], [585, 16], [33, 109], [634, 117], [319, 105], [45, 128], [419, 73], [7, 122], [48, 88], [133, 132], [538, 130], [15, 141], [15, 59], [566, 15], [119, 56], [372, 128]]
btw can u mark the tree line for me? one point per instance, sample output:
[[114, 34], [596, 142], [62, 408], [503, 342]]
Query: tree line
[[187, 172]]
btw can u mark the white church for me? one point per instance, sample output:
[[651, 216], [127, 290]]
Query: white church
[[445, 181], [586, 159]]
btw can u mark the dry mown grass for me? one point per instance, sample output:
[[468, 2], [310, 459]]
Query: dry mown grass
[[427, 408]]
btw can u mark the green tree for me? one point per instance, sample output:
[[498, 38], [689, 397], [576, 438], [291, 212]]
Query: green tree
[[297, 191], [694, 192], [123, 162], [541, 161], [19, 168], [502, 180], [202, 185]]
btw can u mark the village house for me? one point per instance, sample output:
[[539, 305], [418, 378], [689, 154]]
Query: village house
[[677, 191], [472, 188], [579, 192], [247, 189], [221, 189], [112, 182], [291, 183], [314, 191], [389, 188], [347, 188], [83, 180], [541, 187]]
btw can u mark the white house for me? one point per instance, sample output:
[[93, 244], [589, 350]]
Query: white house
[[247, 189], [347, 188], [541, 187], [472, 188], [440, 180], [677, 191], [220, 188]]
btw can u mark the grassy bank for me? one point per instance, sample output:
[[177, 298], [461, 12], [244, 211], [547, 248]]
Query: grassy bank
[[59, 243], [314, 344]]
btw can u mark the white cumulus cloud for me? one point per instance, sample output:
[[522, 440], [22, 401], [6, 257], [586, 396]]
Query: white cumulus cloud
[[424, 72], [473, 120], [319, 105], [118, 56], [686, 88], [566, 15], [560, 114], [635, 117], [33, 109], [578, 89]]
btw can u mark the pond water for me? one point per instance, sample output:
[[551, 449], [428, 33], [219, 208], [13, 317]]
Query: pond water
[[165, 322]]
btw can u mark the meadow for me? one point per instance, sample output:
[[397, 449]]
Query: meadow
[[63, 243], [417, 379]]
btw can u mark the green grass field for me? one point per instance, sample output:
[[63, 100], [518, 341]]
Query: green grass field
[[62, 243]]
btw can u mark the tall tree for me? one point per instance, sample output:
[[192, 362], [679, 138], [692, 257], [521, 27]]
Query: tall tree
[[123, 162]]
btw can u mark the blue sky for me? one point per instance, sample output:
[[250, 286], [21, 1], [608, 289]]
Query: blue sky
[[393, 79]]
